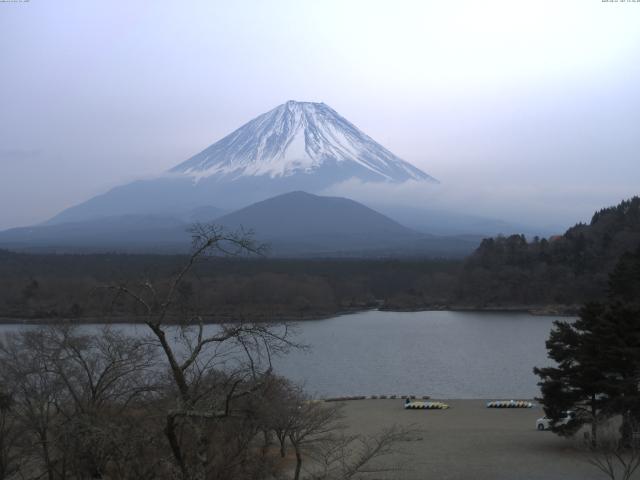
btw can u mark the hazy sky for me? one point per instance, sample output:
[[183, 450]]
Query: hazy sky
[[526, 110]]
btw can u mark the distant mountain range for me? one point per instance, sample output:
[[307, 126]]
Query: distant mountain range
[[126, 233], [292, 224], [445, 222], [296, 146], [256, 177]]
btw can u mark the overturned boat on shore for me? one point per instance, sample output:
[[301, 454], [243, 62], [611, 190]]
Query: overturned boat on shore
[[420, 405], [509, 404]]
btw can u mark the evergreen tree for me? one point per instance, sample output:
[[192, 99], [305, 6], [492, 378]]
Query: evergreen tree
[[618, 328], [577, 383], [624, 281], [623, 317], [598, 359]]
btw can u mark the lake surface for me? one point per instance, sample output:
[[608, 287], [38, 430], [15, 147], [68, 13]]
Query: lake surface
[[441, 353]]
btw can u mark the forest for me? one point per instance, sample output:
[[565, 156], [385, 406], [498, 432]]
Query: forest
[[555, 274]]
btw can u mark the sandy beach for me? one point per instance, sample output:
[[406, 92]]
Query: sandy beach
[[472, 441]]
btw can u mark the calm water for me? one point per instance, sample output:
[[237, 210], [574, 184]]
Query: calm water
[[442, 354]]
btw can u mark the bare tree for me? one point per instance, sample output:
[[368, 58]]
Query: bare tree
[[311, 423], [614, 457], [316, 433], [36, 393], [344, 457], [103, 376], [279, 409], [196, 356], [10, 438], [72, 394]]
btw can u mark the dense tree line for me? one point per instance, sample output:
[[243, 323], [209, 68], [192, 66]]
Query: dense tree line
[[66, 286], [563, 270], [504, 272]]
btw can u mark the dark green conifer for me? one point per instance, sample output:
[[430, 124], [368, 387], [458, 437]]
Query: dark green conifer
[[597, 372]]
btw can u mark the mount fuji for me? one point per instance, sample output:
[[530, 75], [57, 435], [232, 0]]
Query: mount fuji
[[300, 138], [296, 146]]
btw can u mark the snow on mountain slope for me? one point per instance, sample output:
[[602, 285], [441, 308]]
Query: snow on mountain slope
[[296, 146], [299, 137]]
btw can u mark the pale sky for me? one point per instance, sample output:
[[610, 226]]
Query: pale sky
[[524, 110]]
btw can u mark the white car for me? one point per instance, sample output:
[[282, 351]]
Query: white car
[[544, 423]]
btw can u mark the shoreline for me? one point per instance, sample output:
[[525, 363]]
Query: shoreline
[[535, 310]]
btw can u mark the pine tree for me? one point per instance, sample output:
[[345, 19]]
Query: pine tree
[[577, 383], [598, 359], [624, 281], [618, 328]]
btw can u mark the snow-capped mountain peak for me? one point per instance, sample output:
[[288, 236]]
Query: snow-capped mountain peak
[[298, 146], [299, 138]]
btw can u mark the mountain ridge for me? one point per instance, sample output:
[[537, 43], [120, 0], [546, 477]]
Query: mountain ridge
[[297, 224]]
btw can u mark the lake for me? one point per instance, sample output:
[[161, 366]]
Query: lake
[[439, 353], [444, 354]]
